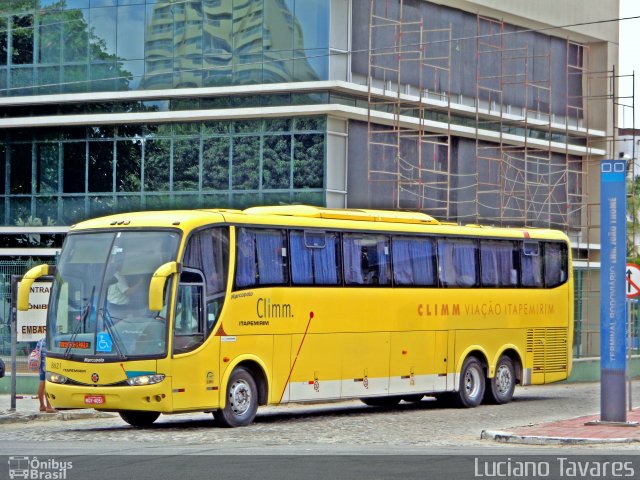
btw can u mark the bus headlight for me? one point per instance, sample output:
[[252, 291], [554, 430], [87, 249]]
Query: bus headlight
[[145, 379], [56, 378]]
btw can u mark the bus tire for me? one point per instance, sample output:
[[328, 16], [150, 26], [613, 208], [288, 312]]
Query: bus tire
[[500, 388], [241, 403], [381, 401], [139, 419], [472, 384]]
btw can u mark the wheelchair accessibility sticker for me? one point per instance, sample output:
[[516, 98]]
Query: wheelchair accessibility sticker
[[104, 343]]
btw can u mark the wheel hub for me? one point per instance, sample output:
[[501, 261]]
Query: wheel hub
[[240, 397], [472, 383], [503, 379]]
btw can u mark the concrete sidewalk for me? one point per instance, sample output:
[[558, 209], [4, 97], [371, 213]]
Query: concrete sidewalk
[[573, 431], [28, 409]]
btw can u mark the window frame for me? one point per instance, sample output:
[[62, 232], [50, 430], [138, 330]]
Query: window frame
[[256, 271], [305, 235], [370, 274], [201, 335], [518, 248], [442, 264], [432, 240], [514, 282]]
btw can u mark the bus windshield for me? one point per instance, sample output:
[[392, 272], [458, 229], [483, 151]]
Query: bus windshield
[[99, 299]]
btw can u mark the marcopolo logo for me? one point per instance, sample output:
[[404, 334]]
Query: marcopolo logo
[[36, 469]]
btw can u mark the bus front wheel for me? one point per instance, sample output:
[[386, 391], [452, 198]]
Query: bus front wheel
[[139, 419], [500, 388], [472, 383], [241, 403]]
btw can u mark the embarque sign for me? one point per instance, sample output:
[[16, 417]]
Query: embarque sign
[[32, 324]]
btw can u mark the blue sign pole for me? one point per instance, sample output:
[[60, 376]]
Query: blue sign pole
[[612, 290]]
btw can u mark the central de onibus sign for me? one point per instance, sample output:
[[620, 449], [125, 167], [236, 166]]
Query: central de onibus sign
[[32, 324]]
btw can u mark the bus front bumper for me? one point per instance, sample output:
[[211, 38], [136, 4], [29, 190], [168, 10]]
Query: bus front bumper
[[155, 398]]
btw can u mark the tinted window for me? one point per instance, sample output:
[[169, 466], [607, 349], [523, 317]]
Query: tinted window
[[497, 263], [555, 264], [457, 263], [189, 329], [261, 257], [366, 259], [208, 252], [413, 261], [531, 265], [314, 258]]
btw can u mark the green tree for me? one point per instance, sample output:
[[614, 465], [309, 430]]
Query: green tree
[[276, 161], [74, 58], [215, 163], [246, 158], [308, 162]]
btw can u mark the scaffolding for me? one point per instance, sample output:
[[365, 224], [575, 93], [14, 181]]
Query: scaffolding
[[408, 64], [536, 155]]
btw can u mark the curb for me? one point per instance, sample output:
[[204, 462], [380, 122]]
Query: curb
[[507, 437], [7, 417]]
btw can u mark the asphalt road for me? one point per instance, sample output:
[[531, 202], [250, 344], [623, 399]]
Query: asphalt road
[[341, 428]]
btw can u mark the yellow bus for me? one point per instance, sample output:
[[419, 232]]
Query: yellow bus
[[226, 310]]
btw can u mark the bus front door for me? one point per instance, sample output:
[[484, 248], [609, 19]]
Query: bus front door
[[195, 363]]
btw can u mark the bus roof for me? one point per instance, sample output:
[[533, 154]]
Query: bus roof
[[310, 216], [390, 216]]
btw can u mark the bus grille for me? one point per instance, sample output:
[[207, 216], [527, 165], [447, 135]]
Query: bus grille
[[549, 349]]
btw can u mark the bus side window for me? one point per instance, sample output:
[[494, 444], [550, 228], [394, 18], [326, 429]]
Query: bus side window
[[208, 252], [555, 264], [413, 261], [457, 264], [261, 257], [497, 263], [531, 262], [366, 259], [188, 328], [314, 258]]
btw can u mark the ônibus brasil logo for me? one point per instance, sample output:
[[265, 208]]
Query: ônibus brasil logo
[[33, 468]]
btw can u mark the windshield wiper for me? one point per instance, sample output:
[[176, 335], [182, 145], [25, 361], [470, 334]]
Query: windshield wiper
[[83, 317]]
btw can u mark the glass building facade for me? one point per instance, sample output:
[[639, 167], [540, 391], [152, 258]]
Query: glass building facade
[[64, 175], [68, 46]]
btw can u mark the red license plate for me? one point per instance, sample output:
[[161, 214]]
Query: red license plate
[[94, 399]]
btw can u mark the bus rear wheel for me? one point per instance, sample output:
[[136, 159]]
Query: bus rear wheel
[[241, 403], [472, 384], [139, 419], [500, 388]]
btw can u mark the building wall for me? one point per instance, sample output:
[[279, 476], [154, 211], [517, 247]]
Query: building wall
[[115, 105], [572, 15]]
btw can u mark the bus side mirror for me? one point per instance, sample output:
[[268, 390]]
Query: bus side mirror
[[158, 282], [26, 282]]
